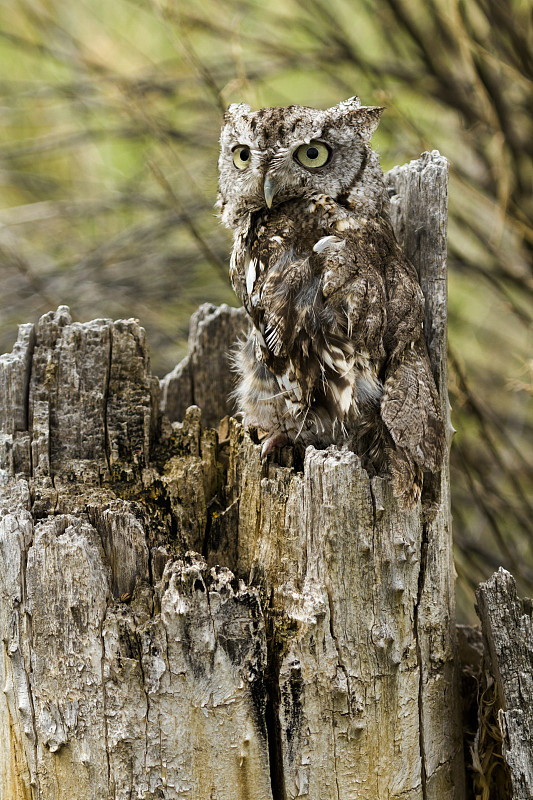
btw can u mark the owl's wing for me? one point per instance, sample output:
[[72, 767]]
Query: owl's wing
[[410, 407], [385, 308]]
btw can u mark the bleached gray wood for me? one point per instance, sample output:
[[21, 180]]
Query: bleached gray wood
[[419, 205], [507, 626], [339, 565], [419, 215], [123, 657], [307, 652], [204, 377]]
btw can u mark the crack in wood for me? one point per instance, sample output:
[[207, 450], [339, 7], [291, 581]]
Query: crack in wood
[[273, 704], [105, 402], [104, 699], [421, 727]]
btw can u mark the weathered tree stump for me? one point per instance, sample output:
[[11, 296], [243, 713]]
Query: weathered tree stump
[[182, 620]]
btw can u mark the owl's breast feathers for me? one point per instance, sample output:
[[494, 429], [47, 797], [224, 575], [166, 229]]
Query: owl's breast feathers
[[317, 299], [337, 314]]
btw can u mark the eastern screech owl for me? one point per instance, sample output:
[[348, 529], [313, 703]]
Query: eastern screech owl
[[336, 352]]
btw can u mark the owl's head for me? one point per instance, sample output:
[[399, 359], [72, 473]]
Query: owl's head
[[277, 154]]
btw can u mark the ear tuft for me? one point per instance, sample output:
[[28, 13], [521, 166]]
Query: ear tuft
[[365, 119], [368, 120], [236, 110]]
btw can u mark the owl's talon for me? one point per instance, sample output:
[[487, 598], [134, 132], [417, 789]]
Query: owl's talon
[[278, 440]]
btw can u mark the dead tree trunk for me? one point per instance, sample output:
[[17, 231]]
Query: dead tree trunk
[[181, 620], [507, 625]]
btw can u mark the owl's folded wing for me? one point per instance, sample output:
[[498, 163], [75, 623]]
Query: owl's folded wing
[[410, 408]]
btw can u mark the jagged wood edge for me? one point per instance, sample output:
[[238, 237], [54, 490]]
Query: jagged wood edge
[[507, 626]]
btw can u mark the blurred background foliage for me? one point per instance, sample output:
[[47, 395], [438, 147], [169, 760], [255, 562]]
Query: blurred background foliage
[[108, 165]]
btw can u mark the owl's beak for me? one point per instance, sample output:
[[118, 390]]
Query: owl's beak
[[270, 187]]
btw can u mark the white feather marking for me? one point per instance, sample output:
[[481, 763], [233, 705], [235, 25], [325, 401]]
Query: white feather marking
[[337, 360], [349, 322], [291, 390], [343, 398], [259, 337], [346, 399], [325, 242], [303, 421], [273, 339], [339, 365], [344, 224], [250, 275], [327, 359], [291, 406], [291, 385], [286, 382]]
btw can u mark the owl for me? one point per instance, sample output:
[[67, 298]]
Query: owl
[[336, 351]]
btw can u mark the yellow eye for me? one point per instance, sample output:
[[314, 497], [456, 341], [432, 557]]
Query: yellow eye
[[241, 156], [313, 155]]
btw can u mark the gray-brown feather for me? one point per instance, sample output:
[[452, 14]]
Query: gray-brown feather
[[336, 352]]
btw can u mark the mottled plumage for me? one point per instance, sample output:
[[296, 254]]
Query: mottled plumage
[[336, 352]]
